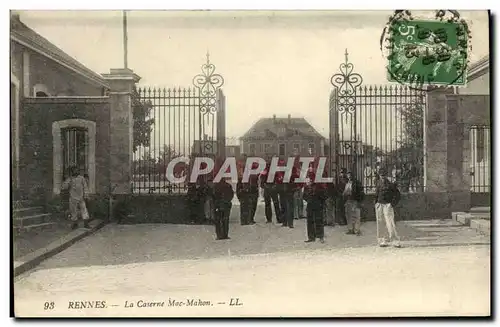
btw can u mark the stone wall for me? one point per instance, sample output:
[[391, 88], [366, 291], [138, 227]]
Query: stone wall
[[413, 206], [36, 143], [145, 209], [173, 209]]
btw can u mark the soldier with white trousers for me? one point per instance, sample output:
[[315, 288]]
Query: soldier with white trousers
[[78, 193], [387, 197]]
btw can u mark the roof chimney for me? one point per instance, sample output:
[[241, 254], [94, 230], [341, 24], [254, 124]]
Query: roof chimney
[[274, 119], [289, 119]]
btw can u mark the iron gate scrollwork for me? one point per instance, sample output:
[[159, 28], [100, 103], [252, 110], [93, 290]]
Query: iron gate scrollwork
[[177, 122], [373, 127]]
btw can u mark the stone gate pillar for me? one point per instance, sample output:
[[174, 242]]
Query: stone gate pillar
[[444, 144], [121, 83], [435, 138]]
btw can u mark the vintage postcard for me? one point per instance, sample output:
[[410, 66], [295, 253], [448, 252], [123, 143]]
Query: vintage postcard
[[250, 163]]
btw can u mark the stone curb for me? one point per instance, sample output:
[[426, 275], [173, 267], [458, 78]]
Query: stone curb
[[481, 225], [33, 259], [480, 215], [464, 218], [480, 210]]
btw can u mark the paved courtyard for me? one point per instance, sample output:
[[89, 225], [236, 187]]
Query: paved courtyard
[[124, 244]]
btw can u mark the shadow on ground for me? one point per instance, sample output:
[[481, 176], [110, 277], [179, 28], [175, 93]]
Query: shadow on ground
[[30, 241], [125, 244]]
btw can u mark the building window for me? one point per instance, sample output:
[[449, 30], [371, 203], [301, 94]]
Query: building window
[[282, 149], [74, 142], [296, 148], [267, 148], [311, 148], [251, 148]]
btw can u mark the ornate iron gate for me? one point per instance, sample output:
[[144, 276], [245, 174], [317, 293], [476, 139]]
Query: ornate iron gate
[[178, 122], [373, 127]]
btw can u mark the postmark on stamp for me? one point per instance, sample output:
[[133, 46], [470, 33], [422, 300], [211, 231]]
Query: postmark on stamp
[[422, 52]]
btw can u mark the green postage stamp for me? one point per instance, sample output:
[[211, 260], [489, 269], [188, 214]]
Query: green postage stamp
[[428, 52]]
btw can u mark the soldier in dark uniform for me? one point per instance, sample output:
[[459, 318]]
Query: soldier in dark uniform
[[340, 216], [298, 194], [330, 213], [253, 195], [209, 205], [196, 200], [270, 194], [315, 195], [192, 202], [242, 192], [223, 194], [285, 191]]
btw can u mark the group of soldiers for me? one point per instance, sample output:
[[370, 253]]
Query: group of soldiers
[[337, 203]]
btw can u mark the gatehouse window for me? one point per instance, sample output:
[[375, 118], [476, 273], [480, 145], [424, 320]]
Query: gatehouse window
[[75, 150], [74, 144]]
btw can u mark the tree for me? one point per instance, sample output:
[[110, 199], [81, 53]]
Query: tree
[[411, 142], [143, 122], [145, 164], [167, 154]]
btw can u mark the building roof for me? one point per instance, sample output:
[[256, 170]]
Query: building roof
[[22, 34], [478, 68], [276, 127]]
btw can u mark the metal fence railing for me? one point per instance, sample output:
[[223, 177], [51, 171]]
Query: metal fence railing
[[480, 159]]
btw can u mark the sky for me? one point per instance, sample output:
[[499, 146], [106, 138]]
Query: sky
[[272, 62]]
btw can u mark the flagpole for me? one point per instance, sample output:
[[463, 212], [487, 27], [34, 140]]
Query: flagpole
[[125, 40]]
